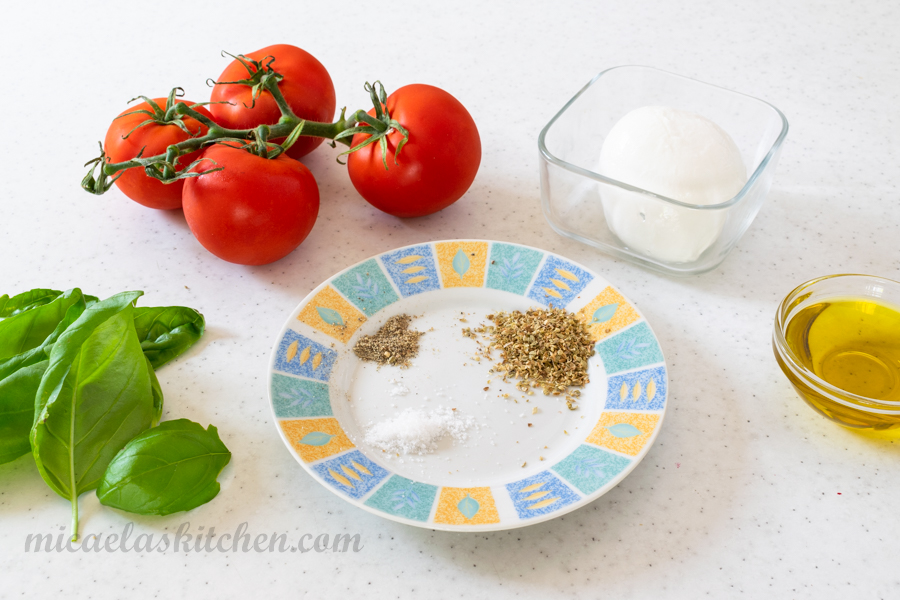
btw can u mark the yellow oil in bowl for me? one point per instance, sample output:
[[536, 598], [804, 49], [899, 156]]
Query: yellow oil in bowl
[[852, 344]]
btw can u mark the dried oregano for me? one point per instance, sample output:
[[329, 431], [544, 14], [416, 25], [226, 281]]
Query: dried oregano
[[393, 344], [544, 348]]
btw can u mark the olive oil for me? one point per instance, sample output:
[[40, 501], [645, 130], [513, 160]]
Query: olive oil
[[854, 345]]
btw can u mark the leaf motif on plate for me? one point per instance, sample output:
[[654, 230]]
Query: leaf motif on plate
[[291, 351], [511, 269], [636, 393], [567, 274], [461, 263], [316, 438], [623, 392], [413, 269], [604, 314], [651, 389], [561, 284], [408, 259], [552, 292], [469, 507], [589, 466], [340, 478], [543, 503], [418, 279], [350, 472], [531, 487], [317, 360], [405, 497], [360, 468], [330, 316], [536, 495], [624, 430], [367, 288], [304, 356], [630, 349], [302, 398]]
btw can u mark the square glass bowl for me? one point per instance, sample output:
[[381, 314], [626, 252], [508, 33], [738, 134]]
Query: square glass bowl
[[579, 202]]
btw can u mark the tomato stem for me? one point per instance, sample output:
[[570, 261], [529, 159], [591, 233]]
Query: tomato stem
[[272, 86], [261, 77]]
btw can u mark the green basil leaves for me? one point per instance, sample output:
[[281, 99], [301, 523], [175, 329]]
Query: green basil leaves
[[78, 384], [20, 303], [167, 331], [17, 410], [25, 340], [169, 468]]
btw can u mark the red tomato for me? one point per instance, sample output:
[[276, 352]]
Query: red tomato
[[154, 139], [253, 212], [306, 86], [435, 167]]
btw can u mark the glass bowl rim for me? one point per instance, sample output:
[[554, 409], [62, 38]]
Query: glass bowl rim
[[550, 157], [787, 354]]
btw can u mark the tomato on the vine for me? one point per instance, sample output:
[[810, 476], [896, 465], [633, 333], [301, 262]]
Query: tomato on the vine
[[255, 210], [306, 86], [435, 167], [153, 138]]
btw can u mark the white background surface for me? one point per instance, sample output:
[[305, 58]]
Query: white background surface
[[747, 493]]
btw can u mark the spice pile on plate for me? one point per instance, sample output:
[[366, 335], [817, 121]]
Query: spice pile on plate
[[542, 348], [393, 344], [418, 431]]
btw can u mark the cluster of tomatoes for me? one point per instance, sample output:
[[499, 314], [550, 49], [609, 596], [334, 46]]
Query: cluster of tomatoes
[[252, 209]]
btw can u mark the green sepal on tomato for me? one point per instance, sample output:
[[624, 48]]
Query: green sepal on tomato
[[306, 86], [127, 137], [435, 167], [255, 210]]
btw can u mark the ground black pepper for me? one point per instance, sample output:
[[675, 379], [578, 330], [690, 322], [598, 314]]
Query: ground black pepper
[[393, 344]]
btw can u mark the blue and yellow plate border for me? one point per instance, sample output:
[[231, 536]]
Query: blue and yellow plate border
[[301, 364]]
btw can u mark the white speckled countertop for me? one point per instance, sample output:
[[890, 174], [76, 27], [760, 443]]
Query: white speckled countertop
[[746, 493]]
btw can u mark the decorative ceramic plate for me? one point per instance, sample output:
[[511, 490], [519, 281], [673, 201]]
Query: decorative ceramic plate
[[528, 458]]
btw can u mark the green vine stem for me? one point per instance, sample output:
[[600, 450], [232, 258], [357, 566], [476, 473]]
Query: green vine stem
[[261, 77]]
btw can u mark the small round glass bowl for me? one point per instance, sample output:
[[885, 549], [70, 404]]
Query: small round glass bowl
[[843, 407]]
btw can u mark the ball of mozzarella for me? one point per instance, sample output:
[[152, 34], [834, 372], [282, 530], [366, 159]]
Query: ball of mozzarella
[[677, 154]]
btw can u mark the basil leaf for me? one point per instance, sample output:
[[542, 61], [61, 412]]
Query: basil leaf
[[25, 301], [21, 373], [167, 331], [166, 469], [17, 410], [95, 396], [29, 357], [27, 330]]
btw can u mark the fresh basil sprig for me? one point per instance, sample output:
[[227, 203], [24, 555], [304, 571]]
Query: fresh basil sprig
[[167, 469], [78, 383]]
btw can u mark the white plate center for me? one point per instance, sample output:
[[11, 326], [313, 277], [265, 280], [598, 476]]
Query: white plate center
[[509, 440]]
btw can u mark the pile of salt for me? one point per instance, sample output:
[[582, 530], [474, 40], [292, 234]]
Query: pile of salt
[[418, 431]]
